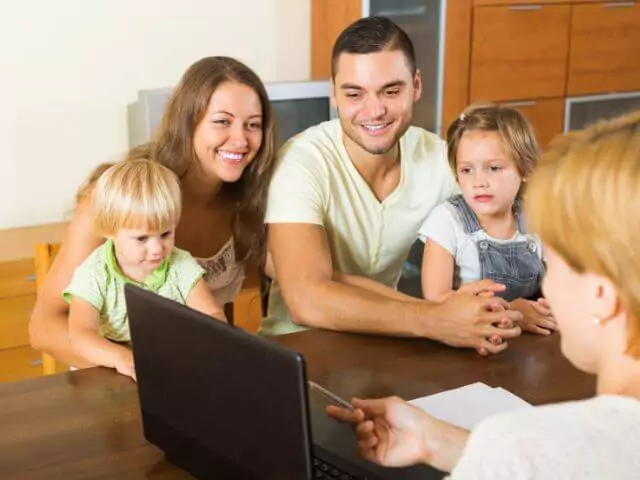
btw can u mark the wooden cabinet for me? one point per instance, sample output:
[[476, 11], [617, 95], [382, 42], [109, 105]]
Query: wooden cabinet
[[19, 363], [484, 3], [605, 48], [481, 3], [14, 320], [17, 298], [328, 19], [519, 52], [546, 117]]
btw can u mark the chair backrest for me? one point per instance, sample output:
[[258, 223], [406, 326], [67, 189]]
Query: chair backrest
[[247, 306], [45, 254]]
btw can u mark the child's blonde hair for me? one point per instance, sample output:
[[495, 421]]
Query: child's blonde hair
[[137, 194], [584, 200], [513, 127]]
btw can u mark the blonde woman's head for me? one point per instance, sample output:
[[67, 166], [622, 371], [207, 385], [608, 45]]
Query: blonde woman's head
[[136, 194], [584, 201]]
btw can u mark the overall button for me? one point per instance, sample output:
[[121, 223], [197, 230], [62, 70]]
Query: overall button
[[533, 247], [484, 245]]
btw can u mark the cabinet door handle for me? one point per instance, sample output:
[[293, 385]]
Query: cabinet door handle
[[619, 5], [524, 8], [526, 103]]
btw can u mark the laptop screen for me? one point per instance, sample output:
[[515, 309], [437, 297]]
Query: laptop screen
[[217, 400]]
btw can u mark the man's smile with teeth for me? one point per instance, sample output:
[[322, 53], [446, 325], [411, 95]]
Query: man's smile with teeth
[[377, 126]]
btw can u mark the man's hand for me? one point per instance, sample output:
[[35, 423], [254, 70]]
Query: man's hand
[[470, 320]]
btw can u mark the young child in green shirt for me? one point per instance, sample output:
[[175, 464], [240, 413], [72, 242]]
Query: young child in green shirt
[[137, 206]]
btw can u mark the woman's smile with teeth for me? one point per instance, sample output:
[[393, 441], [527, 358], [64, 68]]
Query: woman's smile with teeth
[[230, 156]]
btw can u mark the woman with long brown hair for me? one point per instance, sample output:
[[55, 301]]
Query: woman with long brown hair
[[217, 137]]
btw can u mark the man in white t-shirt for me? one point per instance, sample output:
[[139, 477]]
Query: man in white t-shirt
[[348, 198]]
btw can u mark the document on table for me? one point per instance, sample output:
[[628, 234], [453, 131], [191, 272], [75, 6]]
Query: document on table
[[467, 406]]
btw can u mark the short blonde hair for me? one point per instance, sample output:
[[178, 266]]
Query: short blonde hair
[[513, 127], [584, 201], [136, 194]]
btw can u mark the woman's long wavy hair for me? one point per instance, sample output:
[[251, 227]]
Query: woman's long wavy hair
[[172, 145]]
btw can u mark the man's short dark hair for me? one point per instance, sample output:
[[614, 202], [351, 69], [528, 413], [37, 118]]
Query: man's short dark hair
[[372, 35]]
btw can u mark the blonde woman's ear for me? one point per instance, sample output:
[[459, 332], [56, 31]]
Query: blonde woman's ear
[[607, 305]]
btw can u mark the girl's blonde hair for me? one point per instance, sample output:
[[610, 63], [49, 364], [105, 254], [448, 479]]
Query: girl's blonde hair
[[584, 201], [513, 127], [138, 194]]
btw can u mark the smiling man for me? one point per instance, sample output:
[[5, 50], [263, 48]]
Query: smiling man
[[348, 198]]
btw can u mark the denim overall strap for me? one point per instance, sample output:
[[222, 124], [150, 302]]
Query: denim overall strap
[[515, 264], [469, 219]]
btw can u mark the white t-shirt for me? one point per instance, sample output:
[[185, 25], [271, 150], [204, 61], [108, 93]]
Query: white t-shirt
[[316, 183], [596, 439], [444, 226]]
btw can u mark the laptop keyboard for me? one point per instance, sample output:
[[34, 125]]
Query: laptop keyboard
[[325, 471]]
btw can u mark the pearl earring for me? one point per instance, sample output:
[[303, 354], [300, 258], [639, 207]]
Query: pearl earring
[[597, 321]]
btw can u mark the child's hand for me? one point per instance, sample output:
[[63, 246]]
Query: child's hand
[[536, 316], [124, 364]]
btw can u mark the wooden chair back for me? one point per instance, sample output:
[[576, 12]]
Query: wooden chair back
[[45, 254]]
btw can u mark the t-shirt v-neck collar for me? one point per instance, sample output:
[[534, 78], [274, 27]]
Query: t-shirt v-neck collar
[[363, 183]]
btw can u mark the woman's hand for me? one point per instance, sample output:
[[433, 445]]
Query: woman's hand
[[393, 433]]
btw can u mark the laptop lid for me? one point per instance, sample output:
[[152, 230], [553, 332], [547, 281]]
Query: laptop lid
[[219, 401]]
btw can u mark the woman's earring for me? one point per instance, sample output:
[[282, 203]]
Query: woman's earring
[[597, 321]]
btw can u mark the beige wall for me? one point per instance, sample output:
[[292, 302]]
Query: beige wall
[[68, 68]]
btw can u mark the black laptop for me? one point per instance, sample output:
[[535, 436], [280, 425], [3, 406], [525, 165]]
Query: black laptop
[[223, 403]]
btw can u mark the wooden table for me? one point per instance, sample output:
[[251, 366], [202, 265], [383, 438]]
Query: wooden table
[[86, 424]]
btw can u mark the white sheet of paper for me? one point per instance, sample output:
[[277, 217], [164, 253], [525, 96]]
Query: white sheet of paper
[[467, 406]]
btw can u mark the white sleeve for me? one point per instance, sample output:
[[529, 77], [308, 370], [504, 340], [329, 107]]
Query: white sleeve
[[297, 193], [440, 226], [494, 452]]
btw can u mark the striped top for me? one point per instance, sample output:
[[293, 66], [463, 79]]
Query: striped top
[[99, 281]]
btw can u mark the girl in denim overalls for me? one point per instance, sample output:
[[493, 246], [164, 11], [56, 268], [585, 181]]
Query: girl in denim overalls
[[480, 234]]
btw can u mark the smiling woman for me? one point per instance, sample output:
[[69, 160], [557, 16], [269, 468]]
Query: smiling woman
[[216, 135]]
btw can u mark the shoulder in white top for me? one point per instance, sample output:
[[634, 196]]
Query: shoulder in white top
[[586, 440], [444, 226]]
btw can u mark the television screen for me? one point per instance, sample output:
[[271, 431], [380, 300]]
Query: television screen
[[293, 116]]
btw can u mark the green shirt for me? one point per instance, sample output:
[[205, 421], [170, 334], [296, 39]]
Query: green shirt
[[99, 281]]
